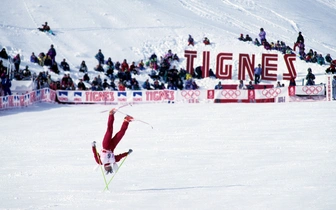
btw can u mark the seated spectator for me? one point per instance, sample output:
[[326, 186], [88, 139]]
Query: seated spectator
[[171, 86], [241, 38], [266, 45], [156, 85], [54, 68], [45, 27], [26, 74], [141, 65], [212, 74], [198, 72], [169, 55], [278, 84], [256, 42], [146, 85], [135, 84], [117, 66], [47, 61], [176, 58], [190, 40], [86, 78], [331, 69], [179, 83], [247, 38], [219, 86], [41, 57], [33, 58], [83, 68], [81, 85], [153, 75], [328, 58], [99, 68], [182, 73], [206, 41], [105, 84], [124, 66], [121, 86], [65, 66], [194, 85], [320, 59], [113, 86], [133, 68], [3, 54]]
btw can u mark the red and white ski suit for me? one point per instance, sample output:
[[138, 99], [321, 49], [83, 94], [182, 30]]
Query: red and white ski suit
[[109, 144]]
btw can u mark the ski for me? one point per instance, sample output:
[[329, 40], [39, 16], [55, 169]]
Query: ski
[[122, 106], [122, 162]]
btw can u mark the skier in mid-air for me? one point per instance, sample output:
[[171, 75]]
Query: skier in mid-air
[[106, 157]]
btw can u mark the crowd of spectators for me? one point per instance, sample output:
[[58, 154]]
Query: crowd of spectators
[[163, 73]]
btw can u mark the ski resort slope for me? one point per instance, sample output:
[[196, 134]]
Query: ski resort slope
[[197, 156]]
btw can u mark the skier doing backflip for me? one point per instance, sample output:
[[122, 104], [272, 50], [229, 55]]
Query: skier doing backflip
[[107, 157]]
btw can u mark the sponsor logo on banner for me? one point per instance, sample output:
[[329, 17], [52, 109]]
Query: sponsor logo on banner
[[160, 95], [22, 100], [312, 90], [38, 95], [63, 96], [230, 94], [271, 92], [190, 94], [78, 96], [122, 96], [137, 96], [11, 101], [211, 94], [4, 101]]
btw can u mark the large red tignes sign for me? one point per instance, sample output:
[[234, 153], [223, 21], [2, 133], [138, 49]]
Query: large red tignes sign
[[246, 64]]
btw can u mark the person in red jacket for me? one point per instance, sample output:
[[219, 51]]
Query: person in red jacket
[[106, 157]]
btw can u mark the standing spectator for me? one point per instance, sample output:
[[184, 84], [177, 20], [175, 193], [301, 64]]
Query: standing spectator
[[334, 88], [292, 82], [310, 77], [100, 57], [241, 85], [299, 39], [83, 68], [33, 58], [65, 66], [257, 73], [6, 85], [52, 53], [17, 61], [250, 86], [219, 86], [3, 54], [190, 40], [262, 35]]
